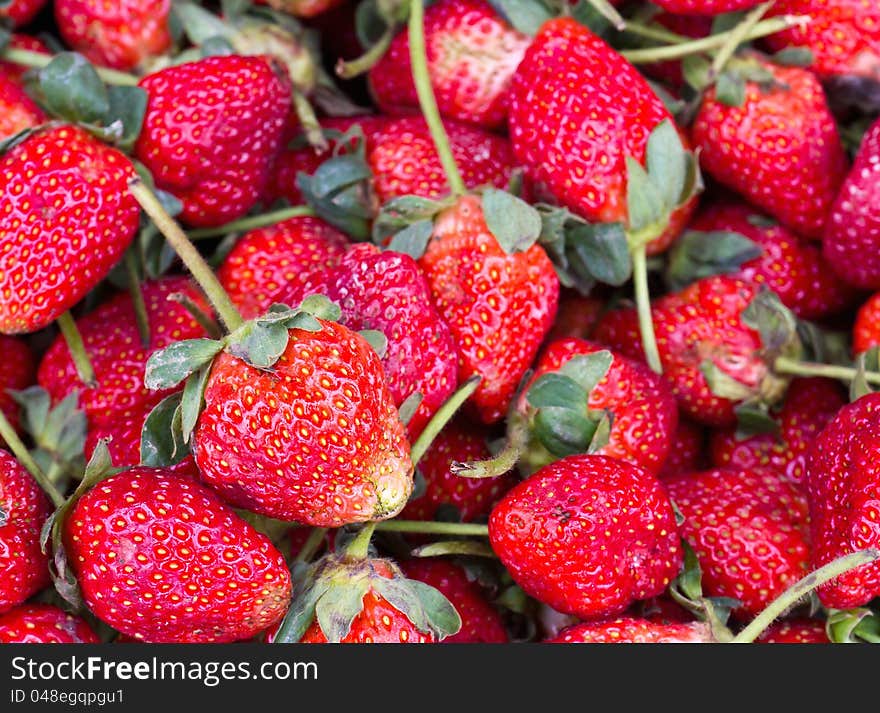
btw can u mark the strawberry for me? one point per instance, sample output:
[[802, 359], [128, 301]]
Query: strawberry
[[44, 624], [268, 262], [809, 405], [21, 12], [316, 439], [17, 109], [576, 316], [748, 529], [472, 55], [471, 498], [123, 35], [789, 265], [843, 35], [629, 630], [852, 239], [588, 535], [866, 330], [302, 8], [694, 26], [211, 132], [499, 305], [24, 509], [387, 292], [162, 559], [687, 450], [480, 621], [779, 147], [21, 41], [16, 373], [843, 488], [795, 631], [705, 7], [67, 218], [402, 159]]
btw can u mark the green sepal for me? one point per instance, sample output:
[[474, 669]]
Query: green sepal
[[698, 254], [169, 366], [730, 89], [191, 401], [850, 626], [515, 224], [644, 199], [340, 191], [776, 324], [199, 24], [754, 418], [467, 548], [413, 239], [409, 407], [602, 251], [585, 12], [723, 385], [162, 439], [525, 16], [564, 432], [69, 87], [376, 339], [665, 163], [125, 117], [307, 589], [868, 360], [425, 606], [336, 609], [686, 590], [793, 57], [409, 222], [556, 390]]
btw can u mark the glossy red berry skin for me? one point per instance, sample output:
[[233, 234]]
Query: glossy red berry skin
[[795, 631], [16, 373], [162, 559], [44, 624], [17, 110], [687, 451], [629, 630], [866, 330], [588, 536], [21, 12]]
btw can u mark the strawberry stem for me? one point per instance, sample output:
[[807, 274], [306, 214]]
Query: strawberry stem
[[643, 308], [736, 37], [801, 588], [786, 365], [310, 546], [359, 547], [355, 67], [38, 60], [503, 462], [187, 252], [427, 100], [212, 329], [443, 415], [256, 221], [310, 124], [429, 527], [20, 451], [609, 12], [78, 353], [137, 297]]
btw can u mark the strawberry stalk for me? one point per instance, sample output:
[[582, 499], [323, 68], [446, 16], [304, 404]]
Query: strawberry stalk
[[643, 308], [428, 527], [356, 67], [443, 415], [137, 297], [427, 101], [609, 12], [359, 547], [250, 223], [20, 451], [186, 251], [38, 60], [801, 588], [787, 365], [736, 37], [503, 462], [77, 348]]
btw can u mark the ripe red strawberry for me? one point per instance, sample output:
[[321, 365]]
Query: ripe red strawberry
[[748, 529], [780, 148], [705, 7], [44, 624], [577, 315], [852, 238], [640, 404], [67, 218], [211, 132], [795, 631], [588, 535], [628, 630], [499, 306], [866, 330], [687, 450], [301, 8], [472, 55], [789, 265], [808, 407], [472, 498], [24, 569], [403, 160], [843, 483], [843, 35], [702, 323], [387, 292], [17, 109], [480, 621], [123, 35], [16, 372], [161, 559], [268, 262], [577, 110], [317, 439], [21, 12], [24, 42]]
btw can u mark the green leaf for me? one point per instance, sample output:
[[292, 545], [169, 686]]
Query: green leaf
[[319, 307], [794, 57], [413, 240], [526, 16], [399, 213], [426, 607], [409, 407], [563, 431], [753, 419], [588, 369], [514, 223], [307, 590], [730, 89], [259, 344], [556, 390], [171, 365], [191, 401], [602, 251], [377, 340], [71, 88], [722, 384], [645, 203], [666, 163], [340, 192], [128, 106], [339, 605], [697, 254], [443, 618], [162, 441], [776, 324]]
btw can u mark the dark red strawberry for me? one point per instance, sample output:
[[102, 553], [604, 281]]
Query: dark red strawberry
[[852, 238], [843, 483], [267, 263], [21, 12], [16, 372], [67, 218], [161, 559], [44, 624], [627, 630], [705, 7], [576, 316], [748, 529], [212, 131], [687, 452], [808, 407], [17, 109], [302, 8], [795, 631], [480, 621], [779, 148], [588, 535], [866, 330], [471, 498], [123, 34], [472, 55], [316, 439], [23, 512]]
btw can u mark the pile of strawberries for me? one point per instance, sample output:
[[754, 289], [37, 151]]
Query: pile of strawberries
[[486, 321]]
